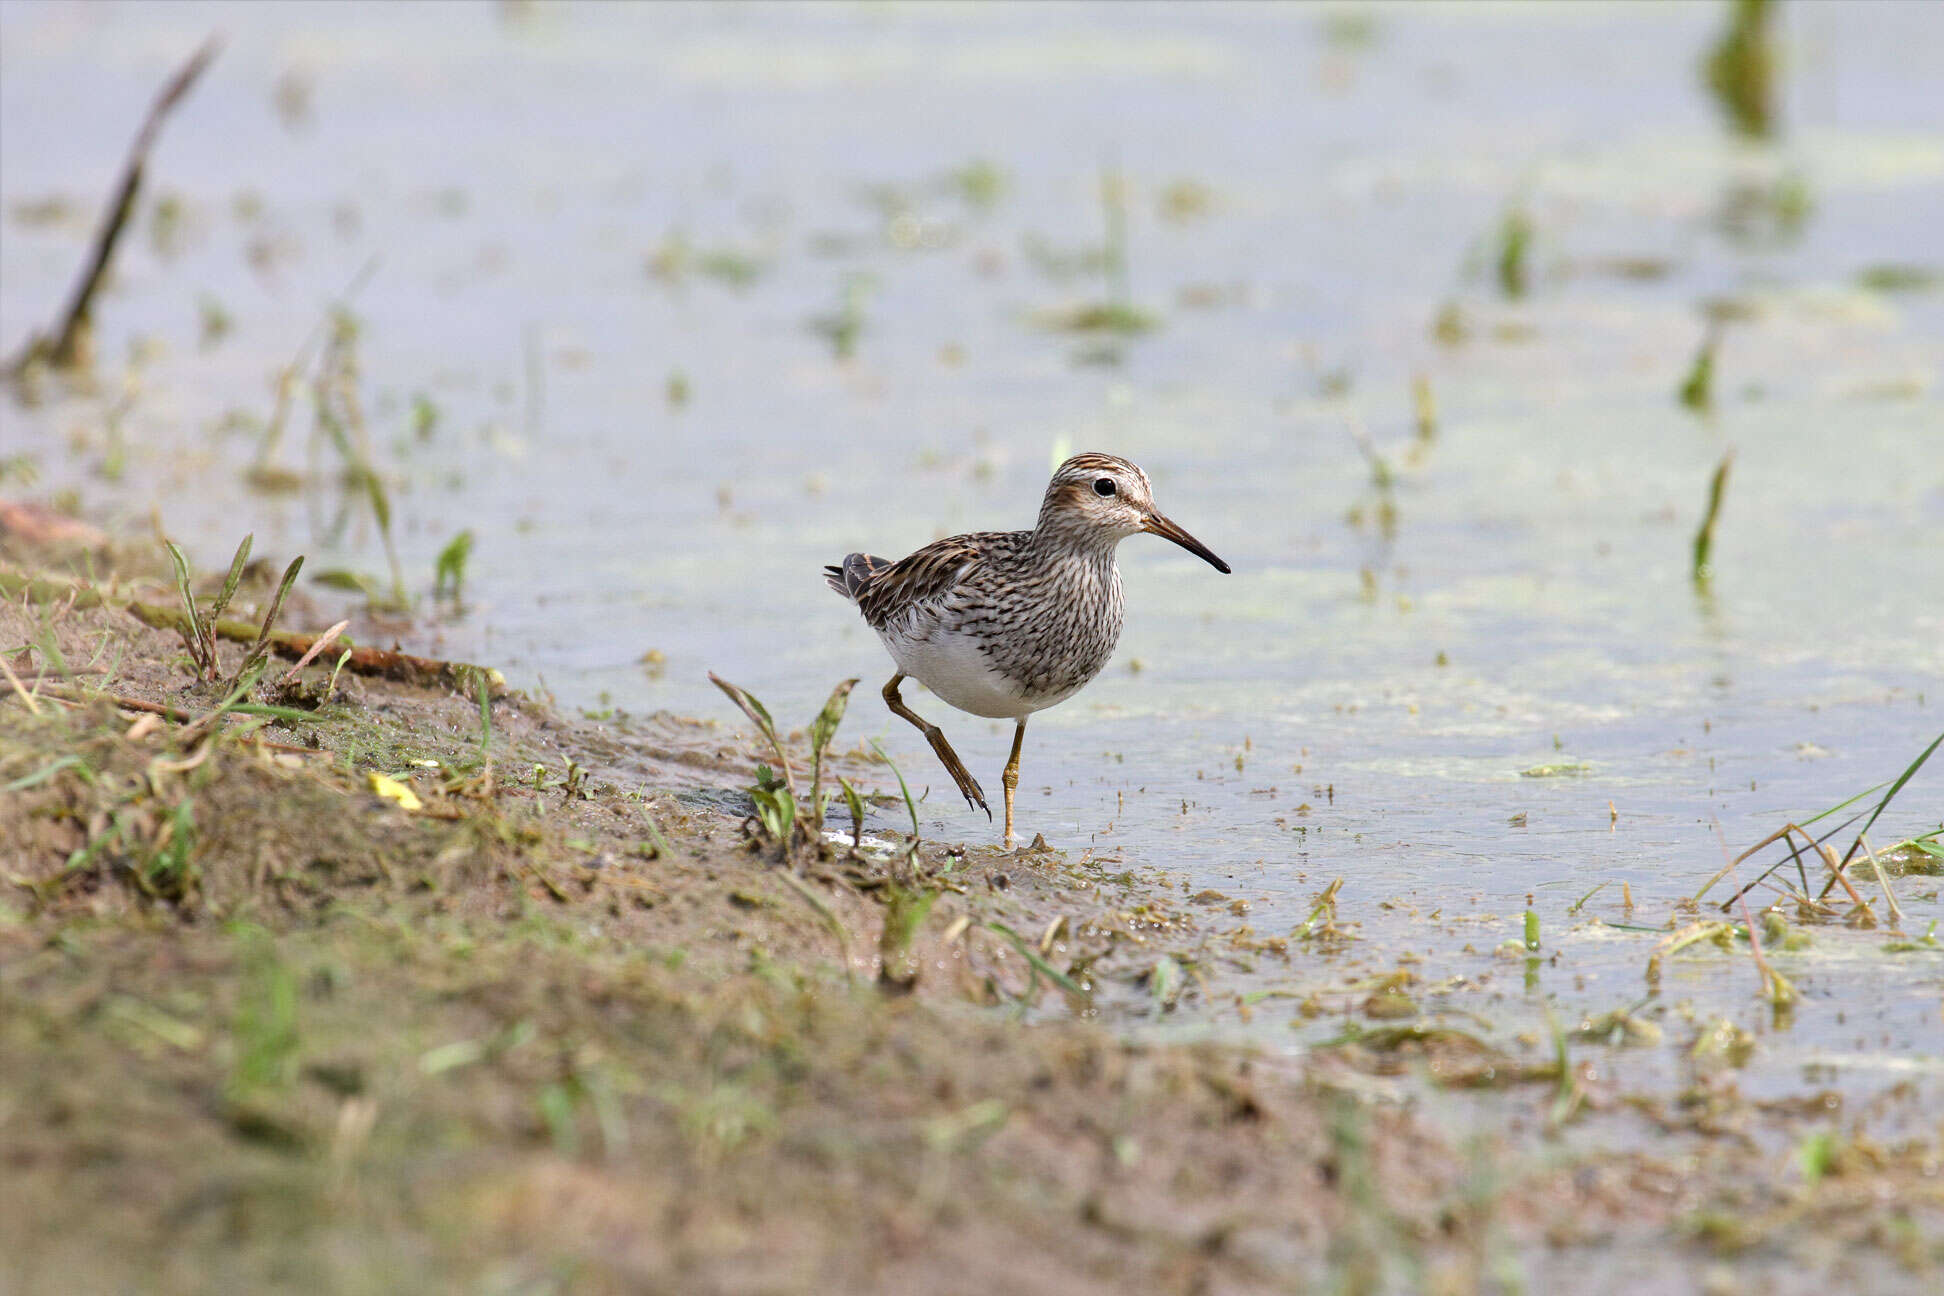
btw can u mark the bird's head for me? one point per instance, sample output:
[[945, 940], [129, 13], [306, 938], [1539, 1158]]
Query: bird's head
[[1106, 496]]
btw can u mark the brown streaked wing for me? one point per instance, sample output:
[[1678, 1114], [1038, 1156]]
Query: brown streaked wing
[[922, 575]]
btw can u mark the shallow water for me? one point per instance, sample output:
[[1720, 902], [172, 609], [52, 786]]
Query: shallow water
[[1360, 697]]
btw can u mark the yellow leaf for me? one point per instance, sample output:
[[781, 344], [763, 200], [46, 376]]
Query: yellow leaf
[[392, 790]]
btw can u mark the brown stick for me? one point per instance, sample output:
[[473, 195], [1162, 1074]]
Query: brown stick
[[1837, 871], [18, 687], [1883, 880], [1729, 867], [163, 709], [176, 714], [322, 642], [1783, 835], [388, 663], [385, 662], [68, 347]]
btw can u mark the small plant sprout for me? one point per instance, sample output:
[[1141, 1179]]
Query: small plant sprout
[[1580, 903], [338, 413], [449, 571], [344, 658], [775, 803], [198, 628], [1720, 932], [855, 803], [760, 716], [1569, 1098], [1702, 570], [1740, 69], [1039, 967], [790, 821], [1424, 406], [425, 417], [822, 730], [1164, 983], [1697, 389], [911, 806], [979, 184], [905, 911], [1514, 253], [1322, 917], [843, 326], [485, 692]]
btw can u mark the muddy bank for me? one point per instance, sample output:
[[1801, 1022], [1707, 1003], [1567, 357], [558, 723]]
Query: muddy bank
[[351, 983]]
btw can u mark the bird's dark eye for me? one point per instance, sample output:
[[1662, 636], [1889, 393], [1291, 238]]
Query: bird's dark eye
[[1105, 486]]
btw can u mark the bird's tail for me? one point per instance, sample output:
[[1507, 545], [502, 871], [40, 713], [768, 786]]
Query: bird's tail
[[855, 573]]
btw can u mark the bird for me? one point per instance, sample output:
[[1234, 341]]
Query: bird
[[1002, 624]]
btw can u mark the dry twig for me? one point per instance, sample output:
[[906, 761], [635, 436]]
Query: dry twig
[[71, 343]]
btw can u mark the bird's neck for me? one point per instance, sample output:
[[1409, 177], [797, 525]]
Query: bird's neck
[[1061, 538]]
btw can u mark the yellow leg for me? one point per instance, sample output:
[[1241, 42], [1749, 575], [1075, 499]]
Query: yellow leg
[[1011, 779], [967, 785]]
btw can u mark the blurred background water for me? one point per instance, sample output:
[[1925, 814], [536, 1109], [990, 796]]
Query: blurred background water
[[671, 305]]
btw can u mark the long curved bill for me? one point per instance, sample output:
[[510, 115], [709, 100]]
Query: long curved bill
[[1168, 530]]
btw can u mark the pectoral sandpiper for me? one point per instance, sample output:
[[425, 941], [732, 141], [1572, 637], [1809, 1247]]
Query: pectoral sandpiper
[[1006, 623]]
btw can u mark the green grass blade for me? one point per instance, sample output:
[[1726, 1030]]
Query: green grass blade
[[1889, 796], [449, 569], [289, 715], [903, 788], [42, 774], [822, 730], [235, 578], [260, 649], [1039, 964], [660, 842], [201, 648], [485, 711], [760, 716], [1841, 805], [1704, 537], [856, 805], [824, 727]]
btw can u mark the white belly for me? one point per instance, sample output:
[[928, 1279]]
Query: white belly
[[953, 667]]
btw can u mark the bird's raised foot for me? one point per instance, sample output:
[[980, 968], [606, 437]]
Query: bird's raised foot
[[969, 788], [967, 785]]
